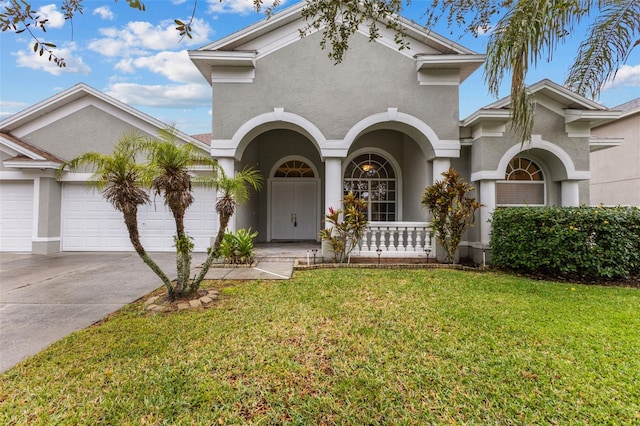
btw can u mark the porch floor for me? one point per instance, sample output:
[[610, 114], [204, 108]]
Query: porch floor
[[274, 261]]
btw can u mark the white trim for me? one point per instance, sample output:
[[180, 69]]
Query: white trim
[[256, 125], [442, 148], [396, 169], [278, 163], [538, 143], [16, 149], [36, 208], [31, 164], [46, 239]]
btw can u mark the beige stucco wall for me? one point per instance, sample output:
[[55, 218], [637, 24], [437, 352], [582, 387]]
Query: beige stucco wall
[[615, 172]]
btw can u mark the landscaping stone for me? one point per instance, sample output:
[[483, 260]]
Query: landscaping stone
[[183, 305], [195, 303], [206, 299]]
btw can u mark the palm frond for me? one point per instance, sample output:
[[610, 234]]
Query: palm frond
[[612, 37], [529, 31]]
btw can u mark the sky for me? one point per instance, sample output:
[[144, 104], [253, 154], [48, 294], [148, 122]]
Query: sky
[[138, 58]]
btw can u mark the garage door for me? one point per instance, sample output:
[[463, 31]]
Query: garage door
[[89, 223], [16, 216]]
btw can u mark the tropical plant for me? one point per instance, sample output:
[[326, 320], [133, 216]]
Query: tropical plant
[[238, 248], [232, 191], [451, 209], [120, 179], [346, 226], [169, 175]]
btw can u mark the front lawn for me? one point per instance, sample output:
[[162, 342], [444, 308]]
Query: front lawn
[[350, 346]]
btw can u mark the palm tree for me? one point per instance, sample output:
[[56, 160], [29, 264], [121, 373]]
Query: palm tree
[[170, 177], [532, 29], [119, 177], [232, 191]]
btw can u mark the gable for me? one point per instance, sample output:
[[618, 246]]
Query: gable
[[82, 119], [239, 52]]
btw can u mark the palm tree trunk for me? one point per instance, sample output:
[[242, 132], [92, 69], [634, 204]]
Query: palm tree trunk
[[183, 252], [131, 221], [213, 251]]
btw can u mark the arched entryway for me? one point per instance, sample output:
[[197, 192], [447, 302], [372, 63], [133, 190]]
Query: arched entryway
[[294, 200]]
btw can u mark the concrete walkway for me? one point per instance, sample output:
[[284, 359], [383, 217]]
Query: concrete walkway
[[45, 298]]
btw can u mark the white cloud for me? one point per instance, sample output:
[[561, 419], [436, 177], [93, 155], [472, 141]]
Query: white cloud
[[176, 66], [104, 12], [50, 12], [75, 64], [628, 75], [139, 37], [162, 96], [242, 7], [8, 108]]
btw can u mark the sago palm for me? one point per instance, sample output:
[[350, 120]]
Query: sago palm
[[119, 178], [232, 191], [170, 177]]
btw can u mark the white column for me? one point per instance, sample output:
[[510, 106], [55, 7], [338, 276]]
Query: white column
[[570, 192], [332, 183], [440, 165], [488, 200], [332, 191], [228, 165]]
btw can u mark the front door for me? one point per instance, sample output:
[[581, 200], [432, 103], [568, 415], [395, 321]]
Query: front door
[[294, 209]]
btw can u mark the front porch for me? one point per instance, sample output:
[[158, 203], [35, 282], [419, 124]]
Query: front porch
[[384, 240]]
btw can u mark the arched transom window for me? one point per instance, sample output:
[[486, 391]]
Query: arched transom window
[[371, 177], [295, 169], [523, 184]]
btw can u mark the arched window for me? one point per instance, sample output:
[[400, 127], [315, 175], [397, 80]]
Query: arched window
[[523, 184], [372, 178], [294, 168]]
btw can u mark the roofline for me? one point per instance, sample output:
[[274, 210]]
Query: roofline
[[548, 84], [83, 89], [294, 12]]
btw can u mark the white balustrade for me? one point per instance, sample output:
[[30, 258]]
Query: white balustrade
[[395, 239]]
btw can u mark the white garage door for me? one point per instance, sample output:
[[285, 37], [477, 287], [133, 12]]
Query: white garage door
[[16, 216], [89, 223]]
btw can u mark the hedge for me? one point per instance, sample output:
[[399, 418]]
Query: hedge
[[587, 243]]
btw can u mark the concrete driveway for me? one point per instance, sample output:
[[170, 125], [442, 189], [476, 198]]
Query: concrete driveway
[[45, 298]]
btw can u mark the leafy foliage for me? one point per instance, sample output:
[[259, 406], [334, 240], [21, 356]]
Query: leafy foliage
[[451, 209], [238, 248], [347, 226], [588, 243]]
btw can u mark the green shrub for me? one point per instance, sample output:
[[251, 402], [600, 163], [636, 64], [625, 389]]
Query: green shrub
[[238, 248], [591, 243]]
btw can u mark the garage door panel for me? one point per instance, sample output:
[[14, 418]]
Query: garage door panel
[[92, 224], [16, 216]]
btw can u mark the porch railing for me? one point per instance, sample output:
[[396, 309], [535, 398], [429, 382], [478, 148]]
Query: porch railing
[[395, 239]]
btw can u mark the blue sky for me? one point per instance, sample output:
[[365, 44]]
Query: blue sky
[[137, 58]]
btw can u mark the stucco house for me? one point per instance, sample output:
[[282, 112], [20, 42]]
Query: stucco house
[[615, 172], [42, 214], [384, 123]]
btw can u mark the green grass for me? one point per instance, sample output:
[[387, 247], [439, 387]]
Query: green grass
[[350, 346]]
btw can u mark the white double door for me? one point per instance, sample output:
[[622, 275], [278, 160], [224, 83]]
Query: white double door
[[294, 209]]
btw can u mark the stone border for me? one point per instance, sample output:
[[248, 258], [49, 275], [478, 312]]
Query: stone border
[[158, 304], [298, 266]]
